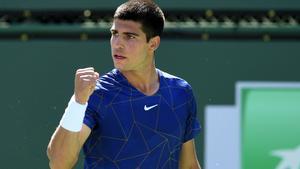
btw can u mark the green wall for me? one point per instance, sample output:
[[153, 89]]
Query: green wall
[[165, 4], [37, 81]]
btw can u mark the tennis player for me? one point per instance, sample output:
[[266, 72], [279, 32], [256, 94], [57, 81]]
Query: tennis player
[[135, 116]]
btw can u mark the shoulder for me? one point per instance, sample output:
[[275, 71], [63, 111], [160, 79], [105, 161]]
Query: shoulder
[[174, 81], [176, 88], [108, 83]]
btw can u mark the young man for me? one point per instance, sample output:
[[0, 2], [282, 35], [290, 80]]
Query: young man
[[135, 116]]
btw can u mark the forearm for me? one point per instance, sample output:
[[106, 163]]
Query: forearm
[[195, 166], [188, 156], [63, 149], [67, 140]]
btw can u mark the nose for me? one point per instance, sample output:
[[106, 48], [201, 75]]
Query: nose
[[116, 42]]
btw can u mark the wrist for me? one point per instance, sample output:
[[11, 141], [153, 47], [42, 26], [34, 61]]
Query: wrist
[[73, 117], [79, 100]]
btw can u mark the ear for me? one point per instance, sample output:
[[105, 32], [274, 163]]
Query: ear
[[154, 43]]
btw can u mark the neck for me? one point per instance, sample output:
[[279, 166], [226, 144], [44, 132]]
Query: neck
[[145, 80]]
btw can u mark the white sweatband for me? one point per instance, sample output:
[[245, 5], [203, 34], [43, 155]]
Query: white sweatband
[[73, 117]]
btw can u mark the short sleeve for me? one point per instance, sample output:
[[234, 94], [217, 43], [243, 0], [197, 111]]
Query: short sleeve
[[90, 118], [192, 124]]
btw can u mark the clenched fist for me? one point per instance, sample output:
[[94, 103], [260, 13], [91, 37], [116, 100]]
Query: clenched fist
[[85, 82]]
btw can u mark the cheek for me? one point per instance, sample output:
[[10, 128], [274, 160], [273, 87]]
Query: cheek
[[133, 48], [137, 51]]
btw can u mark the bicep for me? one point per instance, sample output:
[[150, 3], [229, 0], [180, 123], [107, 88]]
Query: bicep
[[64, 146], [188, 156]]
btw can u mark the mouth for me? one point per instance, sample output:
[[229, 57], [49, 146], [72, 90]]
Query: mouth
[[119, 57]]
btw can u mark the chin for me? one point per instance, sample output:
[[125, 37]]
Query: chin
[[122, 69], [119, 67]]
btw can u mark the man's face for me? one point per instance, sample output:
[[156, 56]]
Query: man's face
[[129, 47]]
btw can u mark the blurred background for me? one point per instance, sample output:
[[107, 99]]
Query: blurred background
[[239, 56]]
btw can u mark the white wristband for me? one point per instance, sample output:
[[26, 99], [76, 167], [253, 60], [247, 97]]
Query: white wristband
[[73, 117]]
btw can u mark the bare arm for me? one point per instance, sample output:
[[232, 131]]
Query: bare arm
[[65, 145], [188, 156]]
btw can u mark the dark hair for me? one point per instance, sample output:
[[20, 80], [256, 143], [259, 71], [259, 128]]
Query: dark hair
[[145, 12]]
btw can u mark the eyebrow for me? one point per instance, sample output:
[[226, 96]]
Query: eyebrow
[[126, 33]]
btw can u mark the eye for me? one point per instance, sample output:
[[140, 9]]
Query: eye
[[114, 33], [130, 36]]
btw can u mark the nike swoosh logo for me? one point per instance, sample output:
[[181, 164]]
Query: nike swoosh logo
[[150, 107]]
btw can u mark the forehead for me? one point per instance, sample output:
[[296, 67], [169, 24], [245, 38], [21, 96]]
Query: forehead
[[126, 26]]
